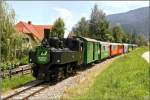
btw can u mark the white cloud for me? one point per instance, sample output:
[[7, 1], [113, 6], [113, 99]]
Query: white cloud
[[64, 12], [67, 16], [111, 7]]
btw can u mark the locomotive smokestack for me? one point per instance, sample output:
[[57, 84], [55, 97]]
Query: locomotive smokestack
[[46, 33], [29, 22]]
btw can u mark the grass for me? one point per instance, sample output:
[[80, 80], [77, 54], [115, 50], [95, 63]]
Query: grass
[[16, 81], [127, 78]]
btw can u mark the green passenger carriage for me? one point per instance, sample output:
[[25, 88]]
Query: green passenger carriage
[[104, 50], [91, 50]]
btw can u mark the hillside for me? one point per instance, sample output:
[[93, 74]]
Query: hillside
[[132, 21]]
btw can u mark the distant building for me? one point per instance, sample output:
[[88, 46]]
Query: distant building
[[32, 32]]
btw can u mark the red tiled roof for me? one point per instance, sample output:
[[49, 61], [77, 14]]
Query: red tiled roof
[[37, 31]]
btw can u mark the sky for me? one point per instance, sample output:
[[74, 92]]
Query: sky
[[46, 12]]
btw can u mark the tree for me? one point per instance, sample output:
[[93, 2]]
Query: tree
[[81, 28], [134, 38], [108, 36], [129, 38], [10, 39], [7, 29], [58, 29], [125, 38], [141, 40], [118, 34], [98, 24]]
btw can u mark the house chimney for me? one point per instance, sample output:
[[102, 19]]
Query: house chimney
[[29, 22]]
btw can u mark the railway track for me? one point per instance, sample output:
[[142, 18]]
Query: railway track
[[24, 94]]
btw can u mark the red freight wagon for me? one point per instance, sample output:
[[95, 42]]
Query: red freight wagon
[[113, 49], [120, 48]]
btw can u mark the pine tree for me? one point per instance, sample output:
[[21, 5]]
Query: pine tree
[[81, 28], [98, 24]]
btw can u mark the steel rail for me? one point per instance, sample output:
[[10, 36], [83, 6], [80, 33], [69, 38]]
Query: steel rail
[[26, 89], [32, 94]]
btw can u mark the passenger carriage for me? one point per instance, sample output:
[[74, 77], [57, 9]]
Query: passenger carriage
[[91, 50], [125, 48], [104, 50], [120, 48], [130, 47], [113, 49]]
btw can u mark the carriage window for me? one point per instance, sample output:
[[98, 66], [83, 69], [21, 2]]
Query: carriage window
[[114, 47], [25, 40], [104, 48]]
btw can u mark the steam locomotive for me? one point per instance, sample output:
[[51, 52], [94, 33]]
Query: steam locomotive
[[57, 58]]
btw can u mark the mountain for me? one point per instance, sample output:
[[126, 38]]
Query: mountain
[[137, 21]]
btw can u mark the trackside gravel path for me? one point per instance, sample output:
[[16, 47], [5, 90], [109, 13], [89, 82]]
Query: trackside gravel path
[[146, 56]]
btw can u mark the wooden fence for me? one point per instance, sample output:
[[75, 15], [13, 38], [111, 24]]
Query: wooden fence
[[21, 70]]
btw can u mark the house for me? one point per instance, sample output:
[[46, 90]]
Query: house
[[32, 32]]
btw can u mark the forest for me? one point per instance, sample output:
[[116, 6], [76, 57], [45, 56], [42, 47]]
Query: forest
[[98, 27]]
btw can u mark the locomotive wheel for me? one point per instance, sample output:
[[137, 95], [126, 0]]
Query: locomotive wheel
[[67, 70], [60, 73], [56, 74], [70, 69], [74, 68]]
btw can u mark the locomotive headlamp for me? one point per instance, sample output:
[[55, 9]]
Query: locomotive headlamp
[[58, 60], [30, 60]]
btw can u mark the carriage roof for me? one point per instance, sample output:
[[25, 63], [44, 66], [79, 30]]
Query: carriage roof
[[88, 39]]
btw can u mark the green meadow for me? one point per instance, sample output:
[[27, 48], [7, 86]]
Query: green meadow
[[16, 81], [127, 78]]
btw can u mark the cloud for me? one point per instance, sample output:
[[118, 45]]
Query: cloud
[[65, 13], [111, 7], [67, 16]]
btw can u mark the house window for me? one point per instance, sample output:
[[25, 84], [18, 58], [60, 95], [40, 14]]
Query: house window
[[26, 40]]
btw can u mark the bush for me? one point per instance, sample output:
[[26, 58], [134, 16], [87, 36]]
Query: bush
[[24, 60], [3, 66], [14, 63]]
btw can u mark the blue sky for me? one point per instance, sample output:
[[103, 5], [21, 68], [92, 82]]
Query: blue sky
[[46, 12]]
